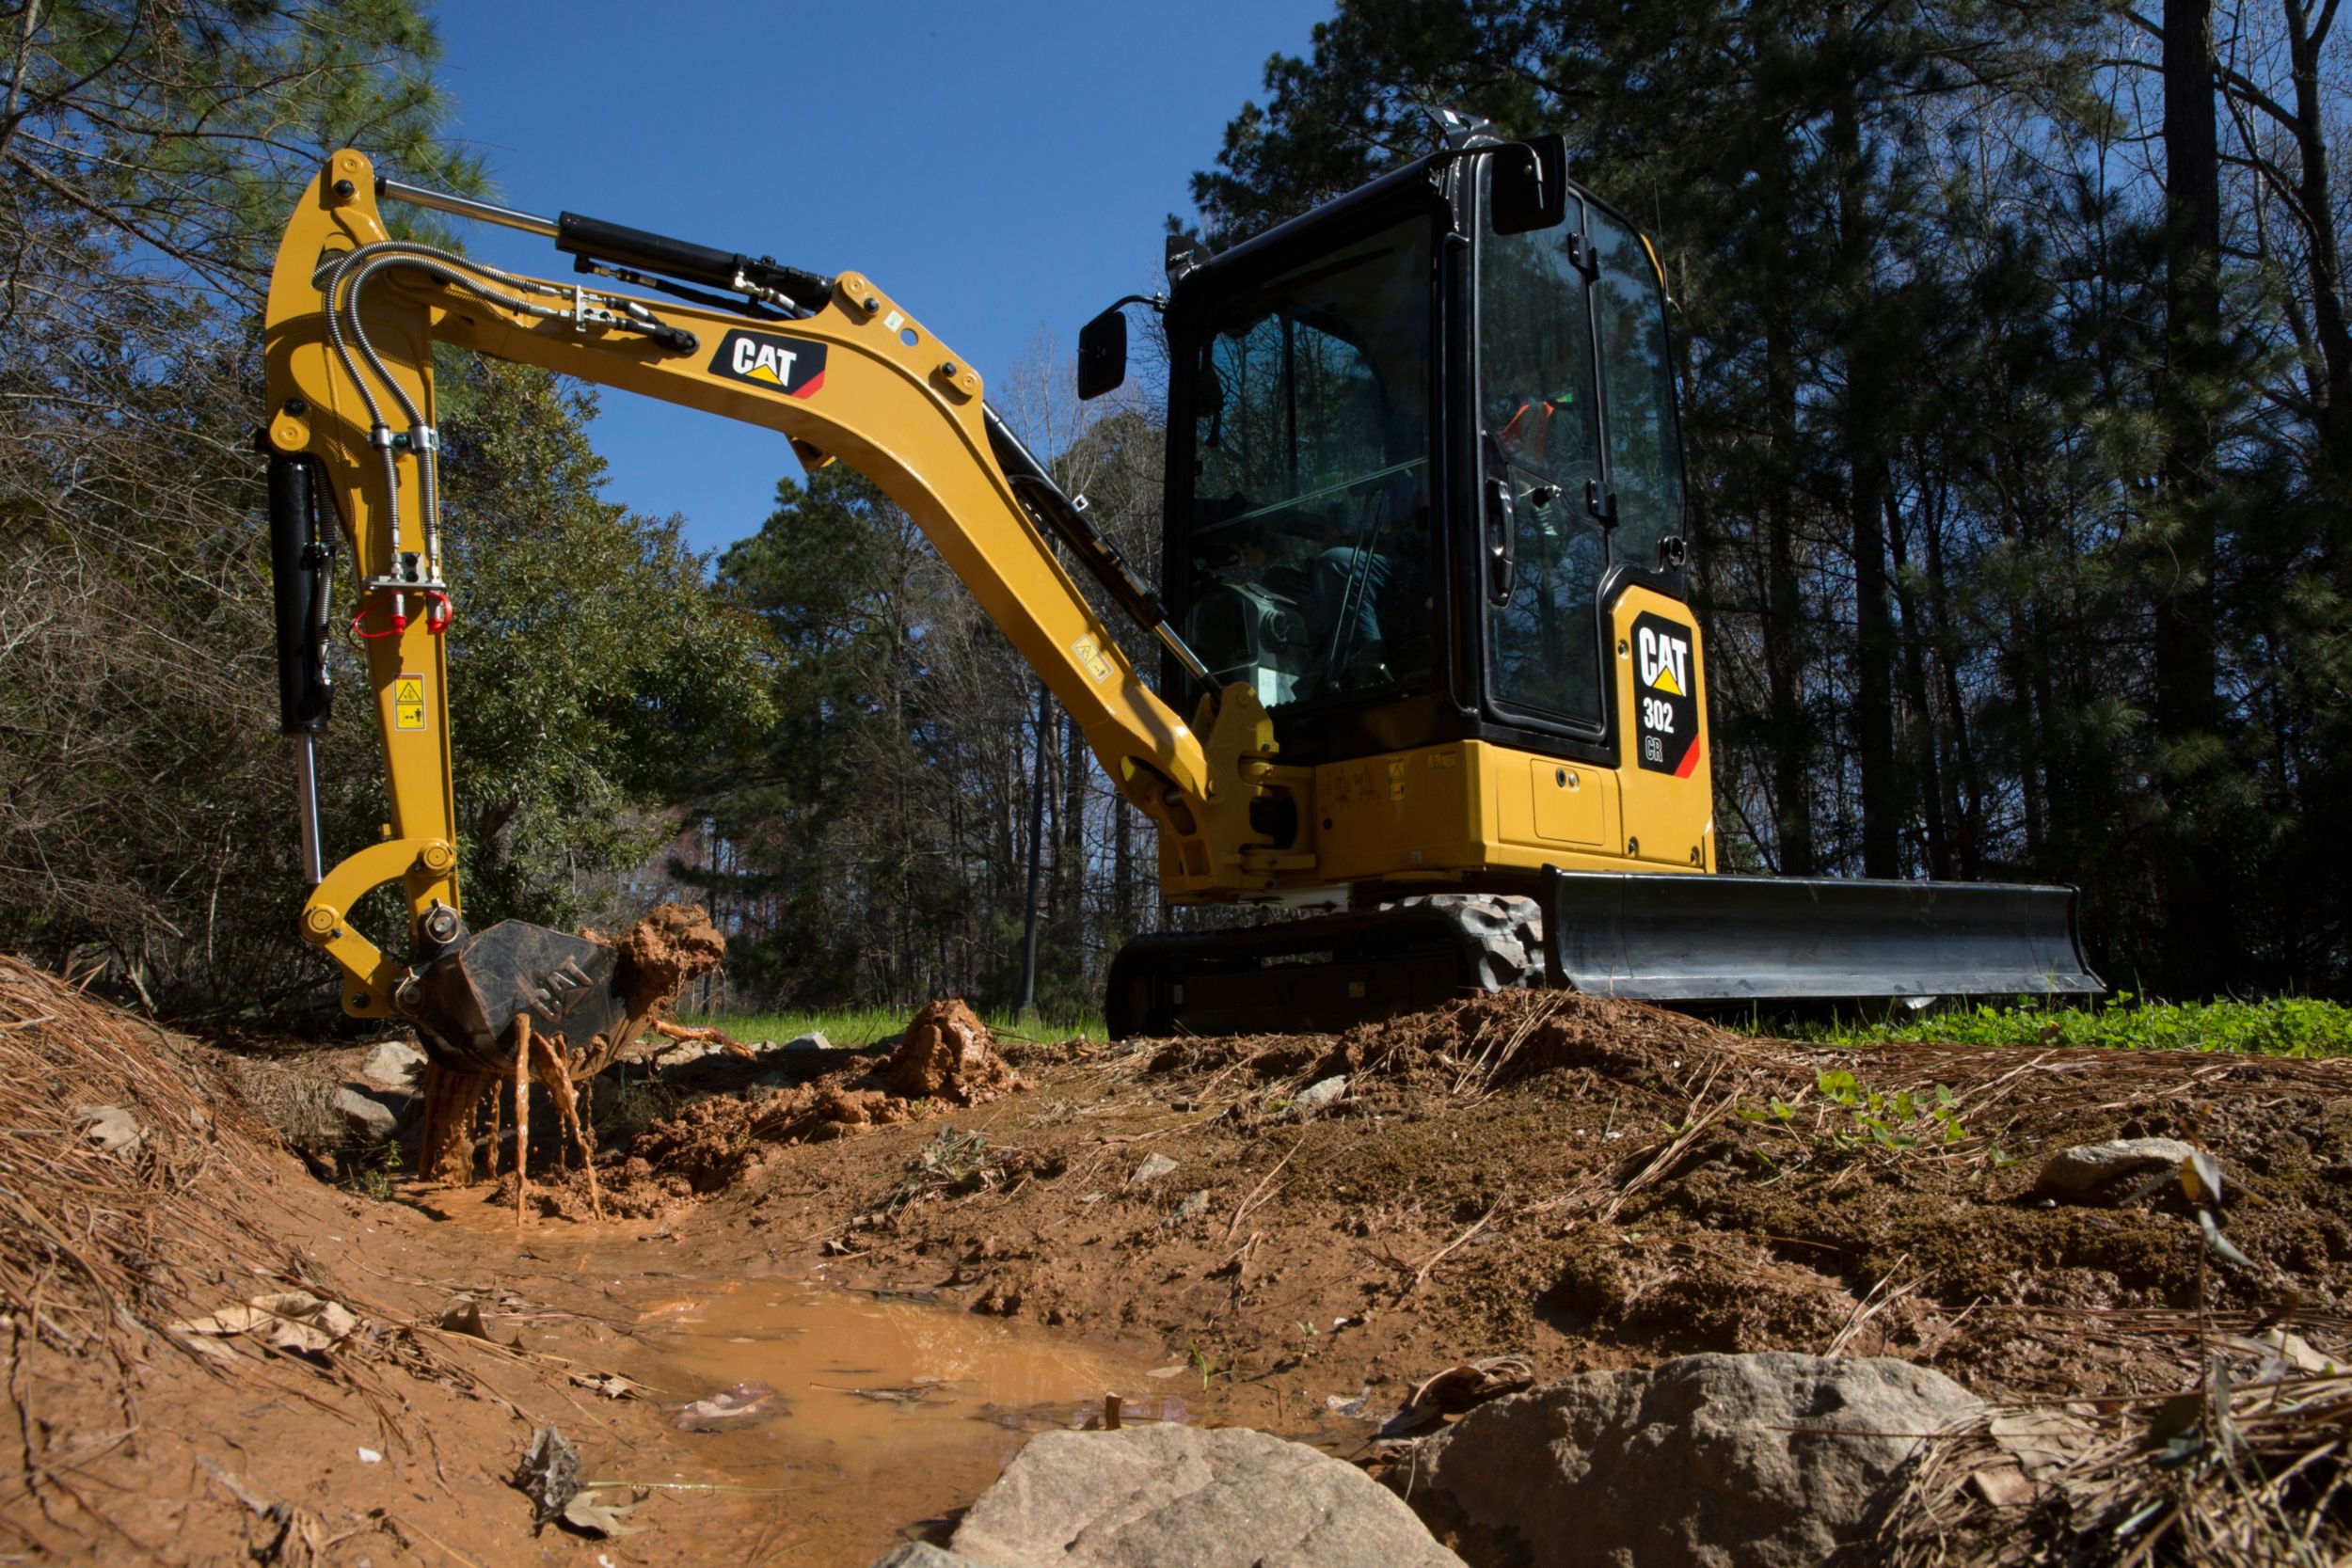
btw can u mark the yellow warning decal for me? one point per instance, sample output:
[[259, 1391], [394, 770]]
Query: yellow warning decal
[[1396, 781], [1088, 654], [409, 703]]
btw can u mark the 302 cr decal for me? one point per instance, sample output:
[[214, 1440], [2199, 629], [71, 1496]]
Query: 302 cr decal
[[1665, 697]]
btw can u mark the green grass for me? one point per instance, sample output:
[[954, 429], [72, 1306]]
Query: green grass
[[2283, 1026], [855, 1027]]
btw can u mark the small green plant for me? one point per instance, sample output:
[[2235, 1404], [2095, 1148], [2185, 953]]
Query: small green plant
[[1199, 1360], [951, 1163], [1866, 1118], [374, 1180]]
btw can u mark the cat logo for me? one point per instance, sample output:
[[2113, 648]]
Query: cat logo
[[1665, 660], [563, 987], [1665, 697], [794, 366]]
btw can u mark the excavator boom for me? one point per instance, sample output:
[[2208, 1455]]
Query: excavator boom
[[835, 364]]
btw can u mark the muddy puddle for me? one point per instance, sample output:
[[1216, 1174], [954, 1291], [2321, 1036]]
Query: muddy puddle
[[879, 1410], [807, 1418]]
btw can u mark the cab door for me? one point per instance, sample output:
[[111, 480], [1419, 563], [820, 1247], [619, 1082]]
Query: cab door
[[1542, 546]]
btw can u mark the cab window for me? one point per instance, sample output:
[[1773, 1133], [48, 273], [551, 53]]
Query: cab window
[[1308, 552]]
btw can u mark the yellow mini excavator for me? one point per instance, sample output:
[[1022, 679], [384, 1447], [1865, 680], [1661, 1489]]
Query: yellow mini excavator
[[1426, 666]]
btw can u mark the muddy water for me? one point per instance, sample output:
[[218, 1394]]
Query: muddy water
[[889, 1410], [879, 1412]]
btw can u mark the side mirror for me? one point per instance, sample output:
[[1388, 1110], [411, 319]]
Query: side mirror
[[1531, 184], [1103, 353]]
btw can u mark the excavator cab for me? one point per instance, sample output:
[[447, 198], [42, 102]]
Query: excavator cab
[[1415, 449]]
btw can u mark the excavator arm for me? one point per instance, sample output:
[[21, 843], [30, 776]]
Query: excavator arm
[[836, 365]]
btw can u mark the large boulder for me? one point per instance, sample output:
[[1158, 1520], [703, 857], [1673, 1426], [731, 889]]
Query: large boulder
[[1175, 1496], [370, 1120], [1764, 1461], [393, 1065]]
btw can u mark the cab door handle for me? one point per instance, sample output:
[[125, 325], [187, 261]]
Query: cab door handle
[[1502, 541]]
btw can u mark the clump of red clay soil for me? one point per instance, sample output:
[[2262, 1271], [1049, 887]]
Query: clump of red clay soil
[[674, 944], [946, 1054]]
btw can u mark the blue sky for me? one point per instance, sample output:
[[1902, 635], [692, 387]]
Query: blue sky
[[1001, 169]]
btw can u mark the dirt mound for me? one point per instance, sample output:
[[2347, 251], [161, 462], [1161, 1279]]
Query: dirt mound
[[712, 1143], [1588, 1183], [202, 1356], [946, 1055], [119, 1175], [1480, 1045]]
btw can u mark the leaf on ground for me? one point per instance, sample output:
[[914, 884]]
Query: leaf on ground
[[2002, 1485], [584, 1514], [463, 1316], [288, 1320], [746, 1403], [549, 1473], [2041, 1441], [612, 1386]]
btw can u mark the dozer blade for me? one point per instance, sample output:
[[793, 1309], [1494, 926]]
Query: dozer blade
[[1697, 938]]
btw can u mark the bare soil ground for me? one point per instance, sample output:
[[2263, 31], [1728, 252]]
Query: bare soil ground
[[1588, 1185], [1577, 1182]]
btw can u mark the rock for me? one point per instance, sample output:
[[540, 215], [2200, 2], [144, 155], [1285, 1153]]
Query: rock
[[2086, 1167], [371, 1120], [922, 1554], [1319, 1096], [114, 1129], [814, 1040], [1176, 1497], [745, 1404], [1153, 1167], [1706, 1460], [393, 1065]]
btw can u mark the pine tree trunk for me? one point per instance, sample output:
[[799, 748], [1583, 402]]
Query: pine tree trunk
[[1866, 458], [1966, 810], [2183, 573], [1788, 636], [1929, 787]]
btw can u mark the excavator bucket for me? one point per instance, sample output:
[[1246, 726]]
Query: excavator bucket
[[1667, 938], [595, 996], [469, 995]]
